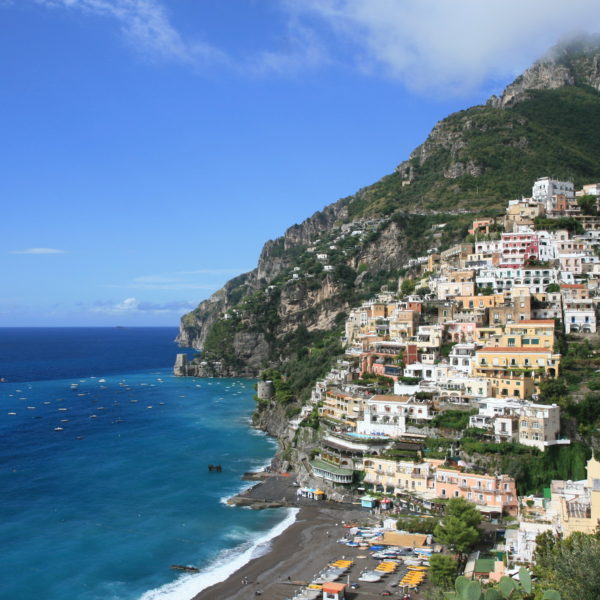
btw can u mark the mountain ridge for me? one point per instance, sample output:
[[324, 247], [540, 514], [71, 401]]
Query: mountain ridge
[[472, 161]]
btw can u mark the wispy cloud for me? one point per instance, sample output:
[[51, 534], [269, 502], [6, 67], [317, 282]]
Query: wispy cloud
[[38, 251], [430, 46], [130, 306], [146, 26], [303, 49], [197, 279], [452, 47]]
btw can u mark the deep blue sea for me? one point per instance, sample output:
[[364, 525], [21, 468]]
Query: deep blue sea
[[103, 468]]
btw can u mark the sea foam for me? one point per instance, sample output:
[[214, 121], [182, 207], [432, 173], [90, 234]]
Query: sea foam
[[226, 563]]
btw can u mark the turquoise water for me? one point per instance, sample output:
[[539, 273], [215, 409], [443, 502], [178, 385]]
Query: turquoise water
[[104, 477]]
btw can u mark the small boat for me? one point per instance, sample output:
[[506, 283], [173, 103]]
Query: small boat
[[185, 568], [58, 429]]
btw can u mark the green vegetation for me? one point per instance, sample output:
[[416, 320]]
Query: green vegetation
[[569, 223], [417, 524], [442, 570], [554, 131], [219, 342], [588, 205], [570, 565], [453, 419], [507, 588], [458, 529]]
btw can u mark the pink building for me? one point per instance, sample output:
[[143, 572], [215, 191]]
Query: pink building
[[517, 248], [491, 494], [460, 332]]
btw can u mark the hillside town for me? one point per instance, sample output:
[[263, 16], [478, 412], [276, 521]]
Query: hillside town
[[465, 348]]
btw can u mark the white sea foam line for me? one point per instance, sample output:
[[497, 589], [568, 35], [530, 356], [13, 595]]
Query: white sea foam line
[[226, 563], [247, 486]]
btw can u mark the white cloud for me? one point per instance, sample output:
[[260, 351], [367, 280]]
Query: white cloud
[[304, 50], [197, 279], [453, 47], [131, 306], [38, 251], [145, 24], [431, 46]]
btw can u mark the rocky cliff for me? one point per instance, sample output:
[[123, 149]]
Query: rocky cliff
[[280, 314]]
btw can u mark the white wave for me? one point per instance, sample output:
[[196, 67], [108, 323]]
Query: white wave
[[226, 563]]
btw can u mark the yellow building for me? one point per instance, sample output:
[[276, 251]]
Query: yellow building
[[577, 503], [480, 301], [541, 361], [515, 371], [391, 476], [512, 386], [529, 333], [342, 407], [486, 335]]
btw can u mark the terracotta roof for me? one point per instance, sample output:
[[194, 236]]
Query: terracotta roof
[[389, 398], [578, 286], [533, 321]]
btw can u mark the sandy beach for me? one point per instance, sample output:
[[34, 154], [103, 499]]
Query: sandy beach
[[301, 551]]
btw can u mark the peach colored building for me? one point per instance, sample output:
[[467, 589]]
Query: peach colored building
[[491, 493]]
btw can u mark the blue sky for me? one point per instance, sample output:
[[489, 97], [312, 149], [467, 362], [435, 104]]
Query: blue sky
[[150, 147]]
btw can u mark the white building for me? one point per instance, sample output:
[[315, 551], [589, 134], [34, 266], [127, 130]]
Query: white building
[[539, 425], [580, 316], [545, 187], [460, 357], [536, 279], [384, 415]]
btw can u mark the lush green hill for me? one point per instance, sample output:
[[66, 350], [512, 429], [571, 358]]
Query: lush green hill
[[287, 313], [553, 132]]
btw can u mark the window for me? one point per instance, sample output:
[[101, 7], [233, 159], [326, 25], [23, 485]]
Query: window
[[511, 342]]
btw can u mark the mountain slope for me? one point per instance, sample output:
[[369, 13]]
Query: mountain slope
[[283, 312]]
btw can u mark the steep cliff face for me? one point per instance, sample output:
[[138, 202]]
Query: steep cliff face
[[546, 122], [576, 63]]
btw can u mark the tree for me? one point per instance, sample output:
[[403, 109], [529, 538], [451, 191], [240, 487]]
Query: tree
[[442, 569], [570, 564], [423, 291], [464, 510], [407, 287], [553, 288], [553, 389], [456, 534], [588, 204], [458, 529]]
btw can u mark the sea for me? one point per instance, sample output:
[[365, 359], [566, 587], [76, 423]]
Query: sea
[[104, 480]]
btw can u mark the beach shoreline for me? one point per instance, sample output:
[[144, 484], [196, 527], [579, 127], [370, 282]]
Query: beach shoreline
[[293, 559], [301, 551]]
